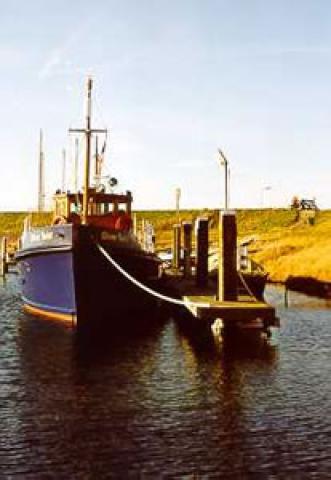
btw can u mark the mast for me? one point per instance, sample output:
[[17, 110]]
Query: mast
[[88, 149], [41, 186], [76, 167], [63, 170], [88, 134], [97, 163]]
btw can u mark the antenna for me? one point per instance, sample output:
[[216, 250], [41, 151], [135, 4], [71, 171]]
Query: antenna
[[41, 180]]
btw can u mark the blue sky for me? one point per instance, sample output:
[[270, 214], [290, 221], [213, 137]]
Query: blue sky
[[174, 81]]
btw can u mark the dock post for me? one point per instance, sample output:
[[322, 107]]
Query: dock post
[[202, 252], [187, 227], [176, 247], [3, 257], [286, 296], [134, 221], [227, 270]]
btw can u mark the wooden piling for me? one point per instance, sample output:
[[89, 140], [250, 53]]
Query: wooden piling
[[227, 275], [202, 252], [176, 245], [187, 227], [134, 222], [3, 257], [232, 310], [286, 296]]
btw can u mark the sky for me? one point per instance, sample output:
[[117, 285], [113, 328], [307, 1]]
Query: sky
[[174, 80]]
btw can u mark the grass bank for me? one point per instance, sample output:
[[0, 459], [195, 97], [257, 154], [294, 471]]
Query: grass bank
[[11, 223], [282, 244]]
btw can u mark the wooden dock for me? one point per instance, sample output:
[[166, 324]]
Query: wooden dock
[[207, 300], [202, 303], [243, 310]]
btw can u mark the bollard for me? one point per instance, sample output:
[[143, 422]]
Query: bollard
[[286, 296], [187, 227], [227, 270], [176, 247], [202, 252], [3, 257]]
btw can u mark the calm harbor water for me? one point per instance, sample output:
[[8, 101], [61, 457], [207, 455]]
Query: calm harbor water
[[165, 404]]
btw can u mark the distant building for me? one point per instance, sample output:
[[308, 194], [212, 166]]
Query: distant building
[[307, 204], [303, 204]]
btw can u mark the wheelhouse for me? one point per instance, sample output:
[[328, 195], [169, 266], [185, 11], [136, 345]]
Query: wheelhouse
[[107, 210]]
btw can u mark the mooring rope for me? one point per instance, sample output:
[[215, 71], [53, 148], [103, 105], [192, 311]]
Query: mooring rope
[[149, 290], [249, 291]]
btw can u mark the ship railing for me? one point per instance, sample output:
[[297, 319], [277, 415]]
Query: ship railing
[[145, 234]]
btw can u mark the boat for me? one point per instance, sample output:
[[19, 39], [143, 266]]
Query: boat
[[72, 270]]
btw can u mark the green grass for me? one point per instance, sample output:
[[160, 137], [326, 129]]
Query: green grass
[[283, 245], [11, 223], [249, 222]]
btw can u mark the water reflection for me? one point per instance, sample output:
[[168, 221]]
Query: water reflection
[[163, 403]]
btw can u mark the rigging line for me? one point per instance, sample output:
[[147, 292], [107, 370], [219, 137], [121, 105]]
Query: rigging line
[[149, 290], [98, 109]]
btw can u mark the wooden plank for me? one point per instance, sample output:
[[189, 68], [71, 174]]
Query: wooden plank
[[229, 310]]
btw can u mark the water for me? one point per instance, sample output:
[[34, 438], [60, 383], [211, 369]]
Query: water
[[166, 404]]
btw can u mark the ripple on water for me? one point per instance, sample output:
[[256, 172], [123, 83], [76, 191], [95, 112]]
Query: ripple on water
[[166, 403]]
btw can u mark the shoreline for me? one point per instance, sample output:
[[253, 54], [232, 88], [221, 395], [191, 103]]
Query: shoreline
[[307, 285], [295, 253]]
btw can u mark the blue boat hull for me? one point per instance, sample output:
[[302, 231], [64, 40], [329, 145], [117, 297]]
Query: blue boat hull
[[66, 277], [48, 284]]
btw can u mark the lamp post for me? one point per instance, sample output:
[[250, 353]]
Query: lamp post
[[225, 163], [266, 188], [227, 257], [178, 195]]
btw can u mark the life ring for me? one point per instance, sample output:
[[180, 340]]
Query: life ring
[[60, 220]]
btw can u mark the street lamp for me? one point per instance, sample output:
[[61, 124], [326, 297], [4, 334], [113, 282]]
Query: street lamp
[[266, 188], [178, 195], [225, 163]]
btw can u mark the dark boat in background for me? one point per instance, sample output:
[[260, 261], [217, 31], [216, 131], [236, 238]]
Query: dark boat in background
[[66, 276]]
